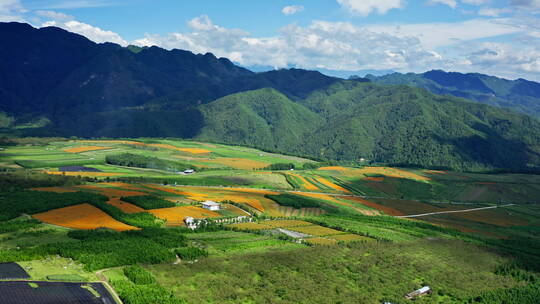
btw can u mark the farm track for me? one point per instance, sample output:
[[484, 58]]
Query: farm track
[[454, 211], [103, 279]]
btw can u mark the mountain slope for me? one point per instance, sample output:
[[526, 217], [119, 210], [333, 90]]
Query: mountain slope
[[520, 95], [385, 124], [263, 118]]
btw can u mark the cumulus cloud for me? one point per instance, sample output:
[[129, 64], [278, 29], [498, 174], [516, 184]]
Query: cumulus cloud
[[493, 12], [69, 23], [329, 45], [11, 10], [366, 7], [451, 3], [292, 9], [434, 35]]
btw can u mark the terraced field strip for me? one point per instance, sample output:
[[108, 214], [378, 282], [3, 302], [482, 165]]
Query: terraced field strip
[[332, 185], [86, 149], [83, 216], [303, 182]]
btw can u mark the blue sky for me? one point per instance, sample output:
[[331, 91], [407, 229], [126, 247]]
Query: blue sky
[[498, 37]]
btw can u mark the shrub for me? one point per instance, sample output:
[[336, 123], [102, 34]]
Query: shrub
[[191, 253], [139, 275]]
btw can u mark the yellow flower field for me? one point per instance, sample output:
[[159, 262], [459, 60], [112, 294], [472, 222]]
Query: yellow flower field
[[238, 163], [328, 183], [285, 223], [305, 183], [86, 149], [83, 216], [386, 171], [175, 215], [316, 230]]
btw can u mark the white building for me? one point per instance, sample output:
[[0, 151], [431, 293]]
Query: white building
[[190, 222], [211, 205], [189, 171]]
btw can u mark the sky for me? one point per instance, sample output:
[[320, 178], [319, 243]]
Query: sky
[[495, 37]]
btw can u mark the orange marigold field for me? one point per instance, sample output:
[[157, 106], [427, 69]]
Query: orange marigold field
[[175, 215], [320, 241], [189, 150], [385, 209], [316, 230], [328, 183], [86, 149], [125, 207], [54, 189], [238, 163], [348, 237], [250, 226], [122, 185], [286, 223], [83, 174], [83, 216]]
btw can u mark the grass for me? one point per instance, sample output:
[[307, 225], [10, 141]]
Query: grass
[[56, 267], [231, 242]]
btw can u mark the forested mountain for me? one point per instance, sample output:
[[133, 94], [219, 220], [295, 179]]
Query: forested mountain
[[104, 90], [520, 95], [397, 125]]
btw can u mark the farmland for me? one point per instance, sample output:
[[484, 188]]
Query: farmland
[[277, 228]]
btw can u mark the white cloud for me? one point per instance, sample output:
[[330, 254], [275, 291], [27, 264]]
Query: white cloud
[[434, 35], [475, 2], [451, 3], [337, 46], [292, 9], [74, 4], [493, 12], [526, 4], [69, 23], [366, 7], [11, 10]]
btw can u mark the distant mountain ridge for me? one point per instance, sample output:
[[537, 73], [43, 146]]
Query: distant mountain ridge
[[520, 95], [104, 90]]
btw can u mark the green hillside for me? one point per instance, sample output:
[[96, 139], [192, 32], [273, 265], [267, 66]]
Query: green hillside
[[384, 124]]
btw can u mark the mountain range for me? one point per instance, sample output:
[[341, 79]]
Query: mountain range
[[520, 95], [75, 87]]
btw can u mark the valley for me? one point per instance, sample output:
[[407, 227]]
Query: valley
[[133, 199]]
